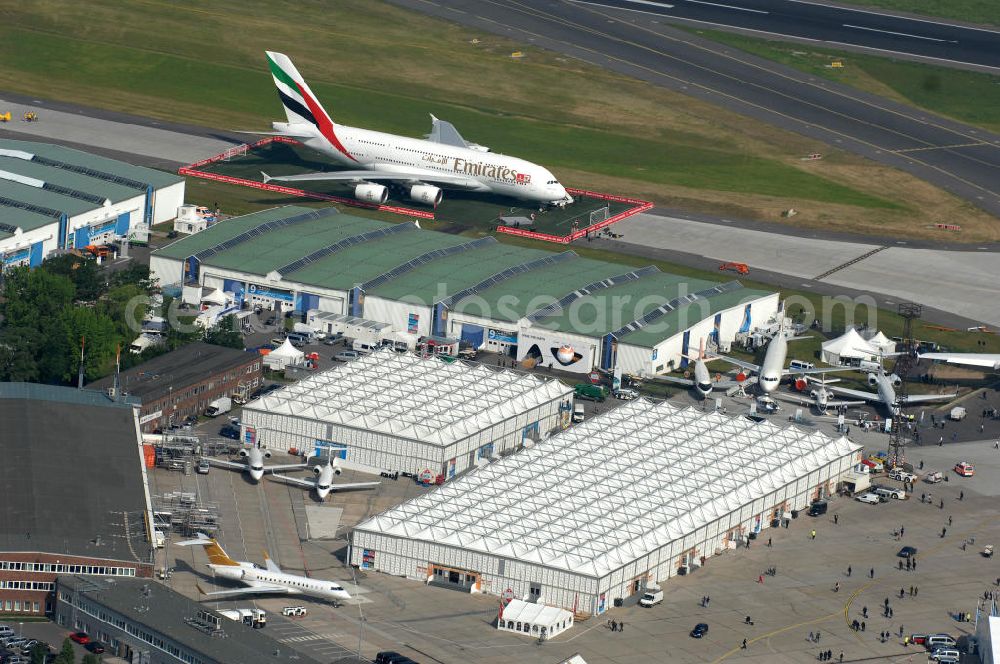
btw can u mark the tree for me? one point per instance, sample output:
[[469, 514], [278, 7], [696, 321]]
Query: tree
[[87, 277], [181, 330], [225, 333], [39, 652], [136, 274], [102, 340], [35, 297], [67, 655], [91, 658], [17, 354], [126, 305]]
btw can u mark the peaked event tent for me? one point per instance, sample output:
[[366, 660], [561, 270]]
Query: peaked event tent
[[847, 347], [598, 510], [883, 343], [284, 355]]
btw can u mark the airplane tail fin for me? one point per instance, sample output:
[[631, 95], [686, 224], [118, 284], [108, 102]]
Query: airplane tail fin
[[216, 554]]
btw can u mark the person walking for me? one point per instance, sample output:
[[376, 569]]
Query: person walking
[[848, 570], [836, 587], [949, 519], [902, 530], [621, 626], [961, 495], [871, 573], [812, 534], [864, 611], [836, 519], [769, 541], [744, 646]]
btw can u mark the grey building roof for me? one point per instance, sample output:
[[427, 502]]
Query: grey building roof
[[71, 469], [150, 176], [163, 611], [178, 369]]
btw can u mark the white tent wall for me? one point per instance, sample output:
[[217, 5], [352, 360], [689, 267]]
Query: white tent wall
[[398, 314], [166, 201], [166, 270]]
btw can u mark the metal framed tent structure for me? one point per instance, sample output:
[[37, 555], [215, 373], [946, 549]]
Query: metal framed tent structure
[[399, 412], [595, 513]]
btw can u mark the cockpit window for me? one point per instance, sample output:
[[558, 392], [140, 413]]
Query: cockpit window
[[552, 182], [257, 467]]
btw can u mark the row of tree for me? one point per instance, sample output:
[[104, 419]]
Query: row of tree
[[49, 311], [66, 655]]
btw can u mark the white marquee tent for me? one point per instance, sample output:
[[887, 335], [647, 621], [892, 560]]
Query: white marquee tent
[[596, 512], [882, 343], [848, 349], [401, 412], [284, 355], [533, 620]]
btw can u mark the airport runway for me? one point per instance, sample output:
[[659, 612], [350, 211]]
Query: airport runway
[[956, 281], [961, 159], [933, 39]]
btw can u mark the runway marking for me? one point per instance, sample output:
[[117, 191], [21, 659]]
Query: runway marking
[[651, 3], [716, 4], [860, 10], [624, 9], [941, 147], [900, 34], [773, 111]]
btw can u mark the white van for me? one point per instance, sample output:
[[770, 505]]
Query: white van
[[898, 494], [799, 364], [946, 655], [578, 413], [935, 641], [5, 631], [363, 347], [653, 596]]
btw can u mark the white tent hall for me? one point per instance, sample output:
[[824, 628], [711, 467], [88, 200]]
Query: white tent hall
[[399, 412], [597, 512], [284, 355], [849, 349]]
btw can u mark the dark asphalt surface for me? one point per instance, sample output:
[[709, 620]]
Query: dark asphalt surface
[[961, 159], [928, 38]]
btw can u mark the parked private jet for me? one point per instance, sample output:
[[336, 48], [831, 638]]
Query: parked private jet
[[421, 168], [772, 369], [885, 385], [701, 380], [323, 482], [820, 398], [254, 463], [269, 580]]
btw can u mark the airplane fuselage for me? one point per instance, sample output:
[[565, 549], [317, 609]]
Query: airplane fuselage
[[255, 464], [702, 378], [491, 172], [886, 392], [774, 363], [251, 575]]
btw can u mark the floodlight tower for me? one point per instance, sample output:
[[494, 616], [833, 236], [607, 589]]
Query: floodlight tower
[[904, 363]]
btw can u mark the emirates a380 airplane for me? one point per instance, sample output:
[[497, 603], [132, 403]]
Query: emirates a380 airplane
[[420, 168]]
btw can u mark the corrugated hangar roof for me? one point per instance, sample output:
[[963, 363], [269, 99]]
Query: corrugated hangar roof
[[612, 489], [77, 158], [79, 511], [410, 397]]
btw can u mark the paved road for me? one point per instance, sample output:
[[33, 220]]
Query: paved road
[[955, 281], [935, 39], [958, 158]]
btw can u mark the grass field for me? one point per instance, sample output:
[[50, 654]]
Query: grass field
[[967, 96], [379, 67], [986, 12]]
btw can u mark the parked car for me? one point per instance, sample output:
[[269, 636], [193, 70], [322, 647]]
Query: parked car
[[700, 630], [965, 469], [907, 552], [271, 388], [346, 356], [230, 431], [626, 394], [333, 339], [919, 639], [96, 647], [203, 467], [80, 637], [889, 492], [868, 498], [933, 477], [901, 475]]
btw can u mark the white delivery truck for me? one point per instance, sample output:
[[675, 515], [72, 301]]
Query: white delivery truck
[[309, 331], [219, 406], [578, 413], [653, 596], [255, 618], [957, 413]]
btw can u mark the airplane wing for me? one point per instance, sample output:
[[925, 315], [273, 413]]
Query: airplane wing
[[857, 394], [287, 466], [297, 481], [923, 398], [749, 366], [253, 590], [356, 485], [794, 398], [271, 565], [815, 370], [845, 403], [673, 379], [232, 465], [398, 174], [986, 360]]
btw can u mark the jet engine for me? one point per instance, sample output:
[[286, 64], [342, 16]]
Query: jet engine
[[814, 394], [896, 380], [317, 469], [244, 453], [371, 193], [872, 379], [337, 470], [427, 194], [801, 384], [267, 454]]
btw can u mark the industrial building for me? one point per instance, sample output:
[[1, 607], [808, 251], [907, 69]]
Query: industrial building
[[184, 382], [593, 514], [549, 309], [144, 621], [75, 495], [396, 412], [55, 198]]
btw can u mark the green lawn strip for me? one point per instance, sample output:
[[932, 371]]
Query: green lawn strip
[[967, 96], [985, 12]]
